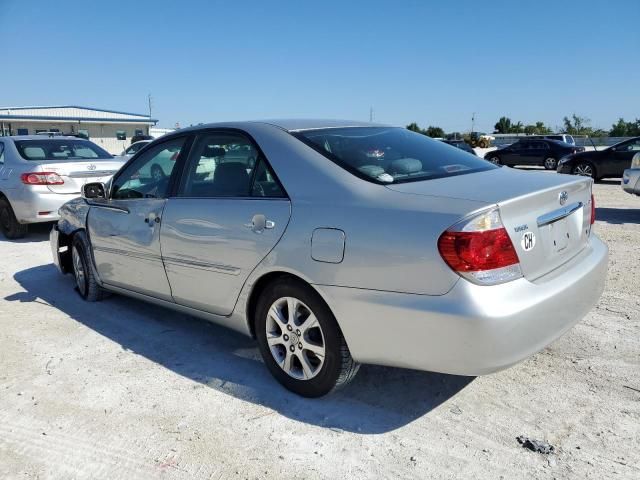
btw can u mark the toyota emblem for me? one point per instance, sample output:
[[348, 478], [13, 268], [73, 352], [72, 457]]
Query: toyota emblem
[[564, 196]]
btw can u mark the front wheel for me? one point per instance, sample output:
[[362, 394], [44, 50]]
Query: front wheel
[[300, 340], [86, 283], [550, 163], [11, 228], [495, 160], [584, 169]]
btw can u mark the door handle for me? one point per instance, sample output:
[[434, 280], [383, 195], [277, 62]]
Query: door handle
[[259, 223]]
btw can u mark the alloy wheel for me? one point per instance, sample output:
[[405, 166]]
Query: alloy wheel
[[584, 170], [78, 271], [495, 160], [295, 338], [550, 163]]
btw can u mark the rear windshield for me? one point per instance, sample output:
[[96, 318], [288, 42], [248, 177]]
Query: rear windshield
[[60, 150], [391, 154]]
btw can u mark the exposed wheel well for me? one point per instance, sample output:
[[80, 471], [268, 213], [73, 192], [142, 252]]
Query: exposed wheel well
[[257, 290]]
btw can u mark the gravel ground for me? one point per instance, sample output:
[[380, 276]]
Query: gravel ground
[[122, 389]]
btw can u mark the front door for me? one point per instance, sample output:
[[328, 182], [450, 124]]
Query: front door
[[622, 157], [125, 230], [230, 211]]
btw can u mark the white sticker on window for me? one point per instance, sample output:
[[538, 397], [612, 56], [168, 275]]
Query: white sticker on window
[[528, 241]]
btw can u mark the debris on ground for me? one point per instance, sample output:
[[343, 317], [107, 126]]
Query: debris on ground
[[538, 446]]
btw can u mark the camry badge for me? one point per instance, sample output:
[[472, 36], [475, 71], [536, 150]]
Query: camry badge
[[564, 196], [91, 167]]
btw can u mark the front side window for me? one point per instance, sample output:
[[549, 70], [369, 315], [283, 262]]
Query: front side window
[[390, 154], [228, 165], [148, 176], [23, 131], [632, 146], [60, 150]]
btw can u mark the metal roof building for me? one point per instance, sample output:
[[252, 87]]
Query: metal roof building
[[110, 129]]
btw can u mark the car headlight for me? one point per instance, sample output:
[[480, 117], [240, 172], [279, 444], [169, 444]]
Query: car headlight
[[635, 161]]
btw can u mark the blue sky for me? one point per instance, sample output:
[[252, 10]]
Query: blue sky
[[430, 62]]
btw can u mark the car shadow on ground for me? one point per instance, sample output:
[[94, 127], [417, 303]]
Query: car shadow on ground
[[618, 216], [380, 399], [38, 232]]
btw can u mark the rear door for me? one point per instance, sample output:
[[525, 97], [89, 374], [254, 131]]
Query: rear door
[[227, 216], [125, 230], [537, 152]]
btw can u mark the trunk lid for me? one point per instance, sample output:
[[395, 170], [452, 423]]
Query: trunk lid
[[547, 216], [76, 173]]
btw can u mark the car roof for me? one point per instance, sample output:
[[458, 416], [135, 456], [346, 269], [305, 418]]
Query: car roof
[[42, 137], [290, 125]]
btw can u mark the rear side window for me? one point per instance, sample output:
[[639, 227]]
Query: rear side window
[[391, 154], [60, 150], [228, 165]]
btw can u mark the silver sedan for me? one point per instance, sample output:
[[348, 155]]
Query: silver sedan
[[339, 243], [39, 174], [631, 176]]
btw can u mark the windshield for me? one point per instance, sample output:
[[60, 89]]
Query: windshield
[[60, 150], [391, 154]]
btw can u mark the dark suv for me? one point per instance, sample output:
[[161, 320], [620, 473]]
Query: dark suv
[[541, 152]]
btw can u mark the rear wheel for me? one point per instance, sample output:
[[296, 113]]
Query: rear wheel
[[9, 224], [550, 163], [86, 283], [495, 160], [300, 340], [584, 169]]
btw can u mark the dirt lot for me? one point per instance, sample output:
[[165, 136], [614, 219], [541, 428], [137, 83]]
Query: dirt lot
[[121, 389]]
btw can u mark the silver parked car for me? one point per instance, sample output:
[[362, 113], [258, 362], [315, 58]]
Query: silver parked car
[[342, 243], [631, 176], [38, 174]]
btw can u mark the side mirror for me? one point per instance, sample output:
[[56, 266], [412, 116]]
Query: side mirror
[[94, 190]]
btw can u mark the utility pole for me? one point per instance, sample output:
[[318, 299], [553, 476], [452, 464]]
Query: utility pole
[[473, 122], [371, 114], [150, 101]]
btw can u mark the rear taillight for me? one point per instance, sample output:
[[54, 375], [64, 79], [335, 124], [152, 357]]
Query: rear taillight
[[480, 250], [593, 210], [41, 178]]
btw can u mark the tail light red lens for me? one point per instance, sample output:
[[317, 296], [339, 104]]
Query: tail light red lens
[[480, 250], [593, 210], [477, 251], [41, 178]]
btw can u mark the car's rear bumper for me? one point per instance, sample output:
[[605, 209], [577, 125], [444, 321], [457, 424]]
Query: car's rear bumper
[[33, 205], [631, 181], [471, 330]]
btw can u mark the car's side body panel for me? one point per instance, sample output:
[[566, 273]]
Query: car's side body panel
[[210, 246]]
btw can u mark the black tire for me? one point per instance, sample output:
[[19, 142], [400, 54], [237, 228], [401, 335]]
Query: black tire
[[583, 168], [495, 160], [86, 284], [550, 163], [338, 368], [157, 173], [9, 225]]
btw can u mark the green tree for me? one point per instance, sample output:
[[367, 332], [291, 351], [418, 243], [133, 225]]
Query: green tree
[[414, 127], [625, 129], [503, 125], [434, 132], [577, 125]]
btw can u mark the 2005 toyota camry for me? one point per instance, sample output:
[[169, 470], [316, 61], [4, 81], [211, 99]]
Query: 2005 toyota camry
[[339, 243]]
